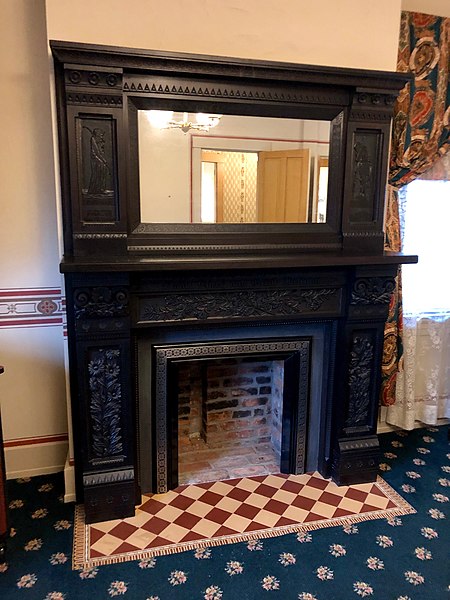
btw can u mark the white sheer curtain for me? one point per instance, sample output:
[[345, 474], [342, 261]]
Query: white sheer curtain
[[423, 382]]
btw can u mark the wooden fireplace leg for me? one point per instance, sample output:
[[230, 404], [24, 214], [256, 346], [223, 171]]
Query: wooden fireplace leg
[[102, 398], [356, 452]]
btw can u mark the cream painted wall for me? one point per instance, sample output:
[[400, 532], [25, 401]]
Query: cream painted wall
[[439, 8], [350, 33], [32, 389]]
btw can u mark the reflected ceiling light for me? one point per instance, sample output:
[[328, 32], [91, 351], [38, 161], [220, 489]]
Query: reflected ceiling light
[[164, 119]]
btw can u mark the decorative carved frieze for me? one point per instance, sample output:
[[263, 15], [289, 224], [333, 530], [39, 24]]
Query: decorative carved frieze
[[215, 90], [360, 376], [94, 99], [105, 403], [93, 78], [108, 477], [372, 290], [238, 304], [99, 302]]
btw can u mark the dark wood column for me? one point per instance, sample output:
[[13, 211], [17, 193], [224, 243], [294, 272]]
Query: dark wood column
[[98, 313], [356, 449]]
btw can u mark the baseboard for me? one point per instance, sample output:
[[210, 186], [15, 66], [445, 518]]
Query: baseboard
[[69, 481], [35, 459]]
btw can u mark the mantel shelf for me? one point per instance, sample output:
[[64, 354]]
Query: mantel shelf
[[199, 263]]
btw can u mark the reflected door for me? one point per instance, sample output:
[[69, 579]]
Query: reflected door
[[283, 183]]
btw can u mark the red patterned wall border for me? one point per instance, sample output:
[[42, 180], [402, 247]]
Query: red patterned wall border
[[35, 307], [42, 439]]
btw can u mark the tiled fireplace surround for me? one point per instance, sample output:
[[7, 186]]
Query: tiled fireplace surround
[[135, 331]]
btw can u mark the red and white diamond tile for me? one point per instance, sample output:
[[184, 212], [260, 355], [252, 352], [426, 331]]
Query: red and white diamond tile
[[234, 510]]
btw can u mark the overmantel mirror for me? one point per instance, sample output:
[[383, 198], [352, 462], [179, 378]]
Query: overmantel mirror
[[172, 155]]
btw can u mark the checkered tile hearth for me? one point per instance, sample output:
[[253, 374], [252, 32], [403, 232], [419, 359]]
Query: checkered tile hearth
[[223, 512]]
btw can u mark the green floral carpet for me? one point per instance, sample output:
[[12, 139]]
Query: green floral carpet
[[394, 559]]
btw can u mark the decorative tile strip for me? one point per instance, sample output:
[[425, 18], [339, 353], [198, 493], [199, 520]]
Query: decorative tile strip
[[35, 307]]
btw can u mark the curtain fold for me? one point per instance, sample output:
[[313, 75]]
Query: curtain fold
[[420, 137]]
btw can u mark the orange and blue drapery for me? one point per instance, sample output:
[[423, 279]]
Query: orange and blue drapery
[[420, 137]]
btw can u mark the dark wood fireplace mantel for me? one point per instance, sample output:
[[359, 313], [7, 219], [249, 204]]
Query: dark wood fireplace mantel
[[115, 307], [134, 289]]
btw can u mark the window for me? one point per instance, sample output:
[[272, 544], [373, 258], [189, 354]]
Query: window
[[425, 212]]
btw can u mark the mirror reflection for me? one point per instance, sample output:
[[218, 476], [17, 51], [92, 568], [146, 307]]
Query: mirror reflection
[[204, 168]]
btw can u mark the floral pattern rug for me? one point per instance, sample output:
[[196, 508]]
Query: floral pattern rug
[[399, 558]]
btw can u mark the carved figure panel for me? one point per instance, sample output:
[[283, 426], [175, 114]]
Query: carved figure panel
[[366, 156], [97, 171]]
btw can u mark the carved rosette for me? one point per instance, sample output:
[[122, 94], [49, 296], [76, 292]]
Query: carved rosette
[[373, 290], [99, 302], [359, 380], [105, 403], [239, 304]]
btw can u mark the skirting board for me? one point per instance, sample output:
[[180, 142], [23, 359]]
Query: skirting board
[[69, 481], [35, 459]]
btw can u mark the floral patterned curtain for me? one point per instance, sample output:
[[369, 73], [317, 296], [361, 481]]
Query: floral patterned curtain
[[420, 138]]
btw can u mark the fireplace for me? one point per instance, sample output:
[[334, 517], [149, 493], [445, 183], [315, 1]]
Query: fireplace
[[230, 418], [295, 351], [146, 297], [136, 332]]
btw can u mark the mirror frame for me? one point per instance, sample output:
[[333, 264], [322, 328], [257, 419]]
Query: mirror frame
[[112, 84]]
